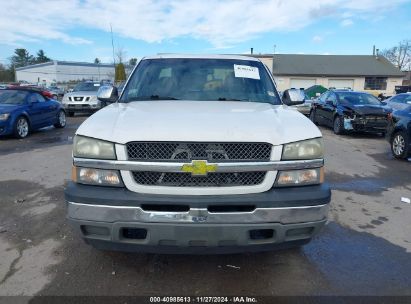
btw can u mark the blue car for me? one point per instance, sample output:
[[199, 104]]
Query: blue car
[[23, 110]]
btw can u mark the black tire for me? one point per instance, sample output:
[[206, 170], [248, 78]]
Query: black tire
[[70, 114], [61, 117], [400, 145], [338, 125], [21, 127], [312, 117]]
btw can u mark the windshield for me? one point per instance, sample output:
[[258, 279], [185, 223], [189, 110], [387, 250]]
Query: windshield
[[12, 97], [86, 86], [200, 80], [358, 98]]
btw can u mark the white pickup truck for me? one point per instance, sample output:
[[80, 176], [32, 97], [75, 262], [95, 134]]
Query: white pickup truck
[[197, 155]]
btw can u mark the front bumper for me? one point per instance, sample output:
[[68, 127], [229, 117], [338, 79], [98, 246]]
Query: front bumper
[[71, 107], [365, 125], [118, 219]]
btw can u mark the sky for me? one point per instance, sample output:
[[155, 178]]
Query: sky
[[79, 30]]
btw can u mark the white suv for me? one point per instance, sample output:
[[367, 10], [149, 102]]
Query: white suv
[[83, 98], [197, 155]]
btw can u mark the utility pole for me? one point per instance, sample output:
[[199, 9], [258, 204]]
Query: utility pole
[[272, 67], [114, 58]]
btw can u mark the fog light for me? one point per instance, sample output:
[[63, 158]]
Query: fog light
[[300, 177], [93, 176]]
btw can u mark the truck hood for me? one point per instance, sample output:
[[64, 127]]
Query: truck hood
[[214, 121]]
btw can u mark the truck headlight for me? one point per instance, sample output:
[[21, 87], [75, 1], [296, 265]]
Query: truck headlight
[[87, 147], [300, 177], [306, 149], [4, 116], [99, 177]]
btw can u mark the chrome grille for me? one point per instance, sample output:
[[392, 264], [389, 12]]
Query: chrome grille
[[186, 151], [187, 180]]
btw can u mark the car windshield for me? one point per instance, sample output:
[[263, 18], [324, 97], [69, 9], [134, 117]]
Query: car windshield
[[86, 86], [12, 97], [201, 80], [358, 98]]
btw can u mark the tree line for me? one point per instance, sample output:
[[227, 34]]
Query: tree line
[[20, 58]]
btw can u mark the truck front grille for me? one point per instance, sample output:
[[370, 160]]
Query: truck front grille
[[187, 180], [186, 151]]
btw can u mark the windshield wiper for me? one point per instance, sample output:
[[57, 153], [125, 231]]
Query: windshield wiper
[[155, 97], [230, 99]]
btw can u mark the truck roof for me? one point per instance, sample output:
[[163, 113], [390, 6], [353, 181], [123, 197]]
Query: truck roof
[[201, 56]]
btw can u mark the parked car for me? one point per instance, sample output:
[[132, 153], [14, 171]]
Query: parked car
[[399, 131], [303, 108], [56, 91], [197, 155], [400, 101], [24, 109], [83, 98], [349, 111]]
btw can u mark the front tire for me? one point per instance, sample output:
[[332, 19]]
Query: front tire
[[312, 117], [399, 145], [21, 127], [61, 123], [338, 125]]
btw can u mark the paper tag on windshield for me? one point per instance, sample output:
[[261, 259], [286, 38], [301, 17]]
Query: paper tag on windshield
[[246, 71]]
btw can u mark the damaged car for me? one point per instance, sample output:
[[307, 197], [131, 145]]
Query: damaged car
[[349, 111]]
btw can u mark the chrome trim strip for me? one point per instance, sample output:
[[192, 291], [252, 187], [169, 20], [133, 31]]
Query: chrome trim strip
[[284, 215], [176, 167]]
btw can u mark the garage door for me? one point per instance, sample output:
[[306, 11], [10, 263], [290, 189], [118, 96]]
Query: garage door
[[341, 83], [301, 83]]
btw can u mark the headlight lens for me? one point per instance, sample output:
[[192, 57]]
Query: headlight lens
[[306, 149], [98, 177], [87, 147], [4, 116], [300, 177]]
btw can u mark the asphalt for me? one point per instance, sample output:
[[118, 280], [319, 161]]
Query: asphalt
[[365, 249]]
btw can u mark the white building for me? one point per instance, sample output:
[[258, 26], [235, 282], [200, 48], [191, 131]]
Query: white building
[[64, 71]]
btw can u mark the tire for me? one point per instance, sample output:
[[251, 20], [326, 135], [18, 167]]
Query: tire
[[399, 145], [61, 116], [21, 127], [70, 114], [312, 117], [338, 125]]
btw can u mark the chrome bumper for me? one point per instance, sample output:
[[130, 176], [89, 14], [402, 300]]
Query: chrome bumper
[[111, 214]]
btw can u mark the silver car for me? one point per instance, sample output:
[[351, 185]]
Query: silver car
[[83, 98]]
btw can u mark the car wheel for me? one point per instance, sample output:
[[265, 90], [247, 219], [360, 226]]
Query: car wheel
[[312, 116], [399, 145], [70, 114], [338, 125], [21, 127], [61, 120]]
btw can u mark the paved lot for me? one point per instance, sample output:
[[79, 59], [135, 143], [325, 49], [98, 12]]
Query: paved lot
[[365, 249]]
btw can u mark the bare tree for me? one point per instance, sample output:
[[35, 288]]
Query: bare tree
[[121, 55], [399, 55]]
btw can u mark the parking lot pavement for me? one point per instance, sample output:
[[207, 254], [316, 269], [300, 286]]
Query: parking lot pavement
[[365, 249]]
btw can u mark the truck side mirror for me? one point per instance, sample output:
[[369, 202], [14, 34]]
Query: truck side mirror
[[292, 97], [107, 94]]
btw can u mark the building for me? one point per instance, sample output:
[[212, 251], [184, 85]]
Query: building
[[64, 71], [358, 72]]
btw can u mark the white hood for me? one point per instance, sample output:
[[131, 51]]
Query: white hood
[[214, 121]]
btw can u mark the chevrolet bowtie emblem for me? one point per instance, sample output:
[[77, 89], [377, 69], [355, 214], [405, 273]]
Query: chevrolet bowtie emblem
[[199, 168]]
